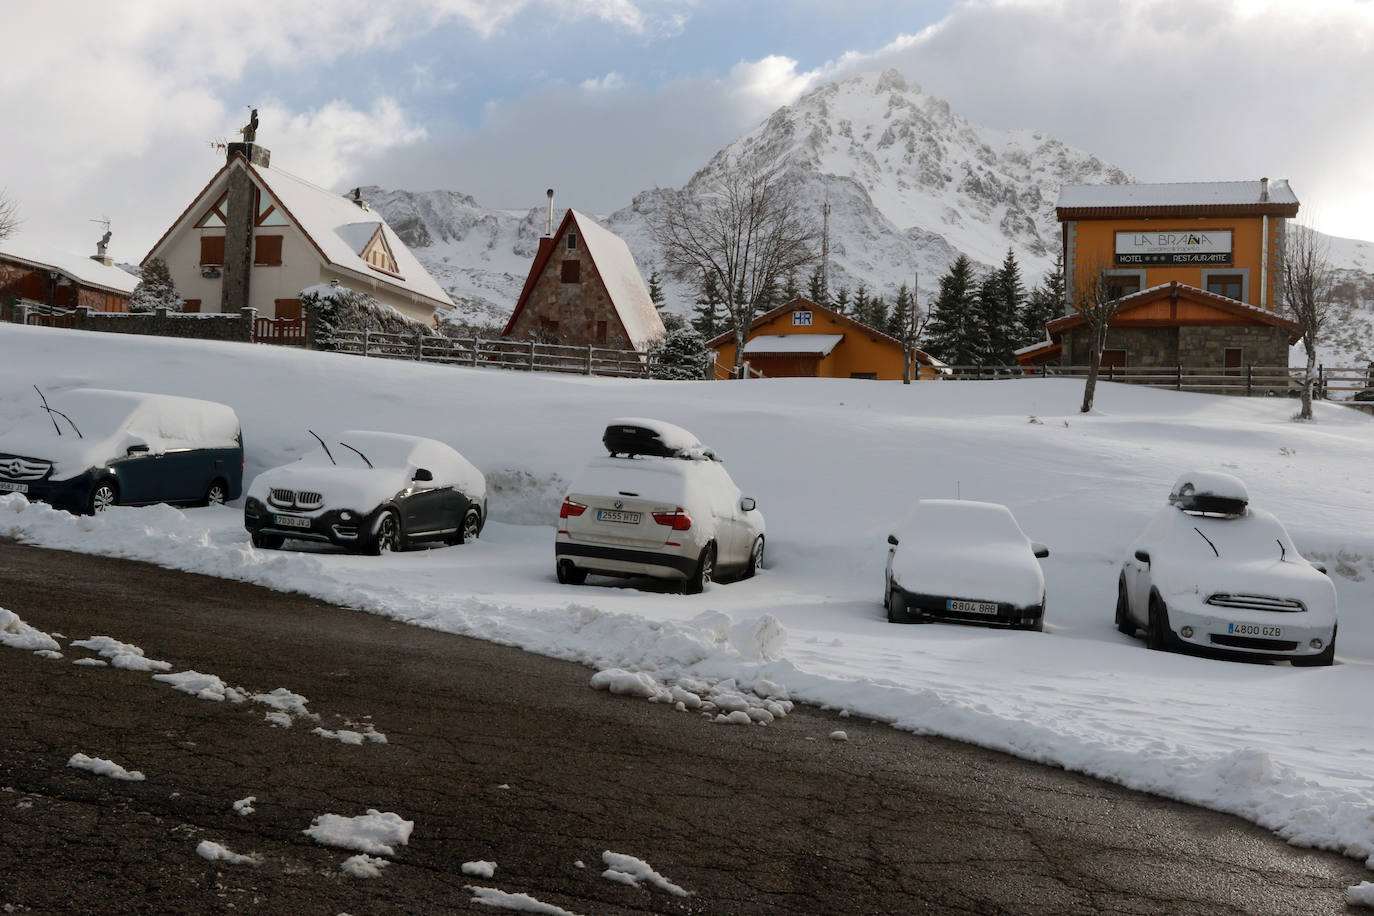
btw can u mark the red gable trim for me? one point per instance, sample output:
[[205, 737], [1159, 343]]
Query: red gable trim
[[1247, 314], [189, 207], [803, 302]]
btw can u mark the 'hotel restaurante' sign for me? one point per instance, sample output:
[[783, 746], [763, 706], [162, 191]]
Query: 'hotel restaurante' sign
[[1187, 246]]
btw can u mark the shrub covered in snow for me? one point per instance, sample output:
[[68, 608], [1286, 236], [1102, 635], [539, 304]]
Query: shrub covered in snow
[[156, 289]]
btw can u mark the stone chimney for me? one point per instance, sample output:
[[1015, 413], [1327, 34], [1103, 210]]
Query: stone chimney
[[241, 210]]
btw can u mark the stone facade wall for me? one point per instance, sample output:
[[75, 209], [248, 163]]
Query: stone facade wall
[[1143, 346], [577, 307], [1201, 346], [160, 323]]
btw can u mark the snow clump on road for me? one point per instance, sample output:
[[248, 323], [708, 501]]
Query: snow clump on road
[[214, 852], [102, 767], [122, 654], [629, 870], [374, 832]]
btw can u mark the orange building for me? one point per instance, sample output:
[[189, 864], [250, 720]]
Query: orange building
[[1196, 267], [802, 339]]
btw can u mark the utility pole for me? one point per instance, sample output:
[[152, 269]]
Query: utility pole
[[825, 252]]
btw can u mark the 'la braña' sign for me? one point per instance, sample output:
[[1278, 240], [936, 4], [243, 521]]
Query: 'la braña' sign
[[1185, 246]]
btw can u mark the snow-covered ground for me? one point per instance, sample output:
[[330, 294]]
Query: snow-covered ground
[[835, 465]]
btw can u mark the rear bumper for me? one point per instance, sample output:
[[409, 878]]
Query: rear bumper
[[623, 561]]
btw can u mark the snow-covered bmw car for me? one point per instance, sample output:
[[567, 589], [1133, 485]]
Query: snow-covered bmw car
[[660, 505], [1212, 572], [372, 492], [967, 562]]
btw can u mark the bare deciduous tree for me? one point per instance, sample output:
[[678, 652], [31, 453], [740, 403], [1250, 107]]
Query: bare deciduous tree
[[1307, 286], [1097, 298], [744, 230], [9, 216]]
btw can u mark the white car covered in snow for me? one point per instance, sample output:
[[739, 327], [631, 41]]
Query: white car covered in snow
[[661, 505], [1212, 572], [372, 492], [967, 562]]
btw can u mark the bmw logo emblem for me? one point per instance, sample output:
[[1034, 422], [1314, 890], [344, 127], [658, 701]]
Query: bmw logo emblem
[[620, 504]]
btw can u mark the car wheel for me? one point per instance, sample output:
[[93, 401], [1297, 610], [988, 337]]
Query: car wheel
[[217, 494], [1325, 659], [1157, 634], [105, 495], [388, 536], [1124, 624], [472, 524], [569, 574], [696, 583], [755, 558], [267, 541]]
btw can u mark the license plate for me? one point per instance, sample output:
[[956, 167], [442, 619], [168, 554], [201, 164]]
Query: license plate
[[7, 487], [1254, 629], [971, 607], [618, 515], [290, 521]]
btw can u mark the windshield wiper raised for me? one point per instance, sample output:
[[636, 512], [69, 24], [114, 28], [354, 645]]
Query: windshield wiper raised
[[323, 446], [360, 454], [52, 411], [1208, 540]]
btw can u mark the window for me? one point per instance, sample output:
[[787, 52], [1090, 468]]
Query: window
[[214, 217], [572, 241], [212, 251], [1122, 286], [267, 251], [601, 332], [572, 271], [1231, 286], [288, 308], [1234, 360], [1115, 358], [868, 375]]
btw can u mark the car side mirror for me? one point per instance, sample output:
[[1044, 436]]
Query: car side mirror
[[423, 475], [747, 504], [892, 539], [1142, 556], [1040, 550], [138, 448], [1321, 568]]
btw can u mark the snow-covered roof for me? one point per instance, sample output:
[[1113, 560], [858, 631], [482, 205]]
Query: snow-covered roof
[[82, 269], [624, 284], [819, 344], [341, 229], [1179, 194]]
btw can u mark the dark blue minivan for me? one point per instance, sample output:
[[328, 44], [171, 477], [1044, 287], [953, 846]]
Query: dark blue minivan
[[87, 449]]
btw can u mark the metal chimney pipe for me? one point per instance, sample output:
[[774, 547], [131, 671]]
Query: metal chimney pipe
[[1264, 189], [549, 223]]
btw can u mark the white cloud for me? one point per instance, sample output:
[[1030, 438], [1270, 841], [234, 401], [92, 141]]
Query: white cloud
[[609, 82]]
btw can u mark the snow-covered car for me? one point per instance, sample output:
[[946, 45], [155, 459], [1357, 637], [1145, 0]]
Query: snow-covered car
[[372, 492], [967, 562], [91, 448], [1212, 572], [661, 505]]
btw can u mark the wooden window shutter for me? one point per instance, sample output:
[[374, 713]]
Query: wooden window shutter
[[191, 305], [267, 250], [572, 271], [212, 251], [288, 308]]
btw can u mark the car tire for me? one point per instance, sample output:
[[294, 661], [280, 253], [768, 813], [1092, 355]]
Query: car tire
[[265, 541], [105, 495], [1158, 636], [569, 574], [471, 526], [755, 559], [1324, 659], [1124, 623], [696, 583], [387, 538], [216, 494]]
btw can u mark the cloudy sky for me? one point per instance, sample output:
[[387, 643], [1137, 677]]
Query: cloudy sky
[[113, 107]]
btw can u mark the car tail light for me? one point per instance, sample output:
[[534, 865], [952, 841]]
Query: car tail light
[[678, 519], [571, 509]]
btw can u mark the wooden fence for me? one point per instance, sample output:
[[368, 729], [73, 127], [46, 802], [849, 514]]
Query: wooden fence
[[1333, 382], [285, 332], [527, 355]]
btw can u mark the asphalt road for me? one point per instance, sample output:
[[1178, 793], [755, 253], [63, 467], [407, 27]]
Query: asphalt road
[[504, 756]]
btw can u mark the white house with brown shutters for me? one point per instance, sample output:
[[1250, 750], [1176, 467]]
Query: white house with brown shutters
[[256, 236], [584, 289]]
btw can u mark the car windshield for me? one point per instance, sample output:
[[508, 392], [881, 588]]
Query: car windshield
[[1253, 536], [942, 522]]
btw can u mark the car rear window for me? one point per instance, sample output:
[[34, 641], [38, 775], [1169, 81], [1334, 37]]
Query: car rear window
[[662, 479]]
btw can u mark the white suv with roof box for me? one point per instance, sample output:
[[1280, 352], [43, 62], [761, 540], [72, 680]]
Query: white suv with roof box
[[660, 505]]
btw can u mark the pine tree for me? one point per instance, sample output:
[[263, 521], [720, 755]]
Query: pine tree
[[155, 289], [1044, 304], [874, 313], [681, 355], [708, 318], [859, 307], [953, 334], [815, 287], [791, 289], [1003, 323], [842, 304], [656, 290], [900, 318]]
